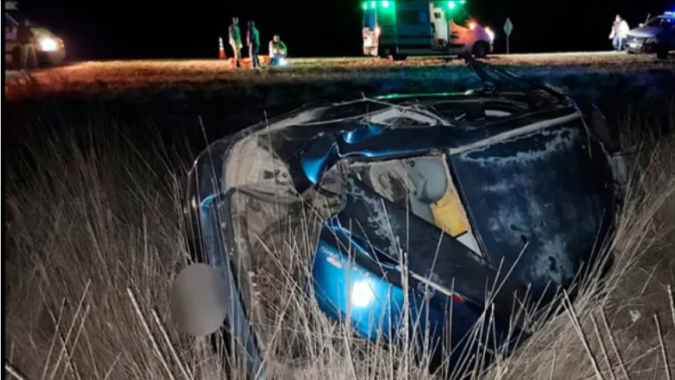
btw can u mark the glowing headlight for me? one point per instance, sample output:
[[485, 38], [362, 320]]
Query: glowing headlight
[[282, 61], [652, 40], [362, 294], [490, 33], [48, 44]]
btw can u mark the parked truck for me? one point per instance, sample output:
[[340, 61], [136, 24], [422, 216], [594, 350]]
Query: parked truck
[[398, 29]]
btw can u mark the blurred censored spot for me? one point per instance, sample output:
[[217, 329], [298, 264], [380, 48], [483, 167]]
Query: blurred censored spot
[[199, 300]]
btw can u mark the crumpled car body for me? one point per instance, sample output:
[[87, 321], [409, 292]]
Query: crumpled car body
[[437, 213]]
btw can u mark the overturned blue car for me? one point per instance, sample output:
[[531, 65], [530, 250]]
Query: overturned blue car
[[423, 215]]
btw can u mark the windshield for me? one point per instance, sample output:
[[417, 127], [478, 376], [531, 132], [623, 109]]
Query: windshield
[[667, 22], [659, 21], [42, 31]]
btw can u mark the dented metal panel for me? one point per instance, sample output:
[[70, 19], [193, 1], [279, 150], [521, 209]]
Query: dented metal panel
[[544, 190], [432, 254]]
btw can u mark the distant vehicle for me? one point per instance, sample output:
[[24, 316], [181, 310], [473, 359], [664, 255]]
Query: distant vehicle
[[50, 48], [398, 29], [657, 35]]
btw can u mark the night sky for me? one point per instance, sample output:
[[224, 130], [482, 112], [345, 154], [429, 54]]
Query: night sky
[[171, 29]]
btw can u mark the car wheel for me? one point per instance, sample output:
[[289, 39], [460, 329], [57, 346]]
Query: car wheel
[[399, 57], [479, 49], [385, 52], [662, 52]]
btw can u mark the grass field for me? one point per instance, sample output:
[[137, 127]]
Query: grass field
[[92, 212]]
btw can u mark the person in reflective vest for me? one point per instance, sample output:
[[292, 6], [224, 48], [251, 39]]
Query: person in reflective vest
[[277, 51], [28, 59], [253, 42], [235, 40]]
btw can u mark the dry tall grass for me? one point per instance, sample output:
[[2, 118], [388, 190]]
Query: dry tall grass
[[94, 240]]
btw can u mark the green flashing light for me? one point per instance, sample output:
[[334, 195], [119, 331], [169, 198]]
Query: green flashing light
[[364, 6], [373, 4], [385, 4], [451, 5], [462, 2]]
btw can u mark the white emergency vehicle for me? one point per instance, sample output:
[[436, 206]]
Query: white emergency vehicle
[[399, 29]]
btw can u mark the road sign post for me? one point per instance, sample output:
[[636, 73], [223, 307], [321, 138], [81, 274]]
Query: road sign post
[[508, 28]]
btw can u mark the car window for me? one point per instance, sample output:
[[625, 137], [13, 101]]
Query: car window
[[413, 17], [658, 21], [10, 28]]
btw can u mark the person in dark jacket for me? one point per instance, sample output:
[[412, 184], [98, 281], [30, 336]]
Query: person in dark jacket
[[235, 40], [28, 59], [253, 42]]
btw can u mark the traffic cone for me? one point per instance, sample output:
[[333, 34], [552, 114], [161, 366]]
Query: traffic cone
[[221, 54]]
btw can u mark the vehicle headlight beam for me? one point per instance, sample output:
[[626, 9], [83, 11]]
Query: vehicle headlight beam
[[48, 44]]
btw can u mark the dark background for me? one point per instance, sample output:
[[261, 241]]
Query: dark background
[[173, 29]]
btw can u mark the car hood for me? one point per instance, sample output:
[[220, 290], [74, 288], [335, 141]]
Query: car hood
[[645, 32]]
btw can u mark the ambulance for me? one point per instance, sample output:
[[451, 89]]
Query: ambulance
[[398, 29]]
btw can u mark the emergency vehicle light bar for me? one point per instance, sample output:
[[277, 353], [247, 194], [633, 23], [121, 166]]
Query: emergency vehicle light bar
[[387, 4]]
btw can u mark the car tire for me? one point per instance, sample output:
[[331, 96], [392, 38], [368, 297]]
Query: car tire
[[399, 57], [385, 52], [480, 49], [662, 52]]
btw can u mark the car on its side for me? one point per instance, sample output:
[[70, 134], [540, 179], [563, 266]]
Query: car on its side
[[657, 35], [412, 207]]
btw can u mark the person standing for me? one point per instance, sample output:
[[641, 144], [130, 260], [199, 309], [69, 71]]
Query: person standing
[[235, 40], [253, 42], [28, 59], [619, 33]]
